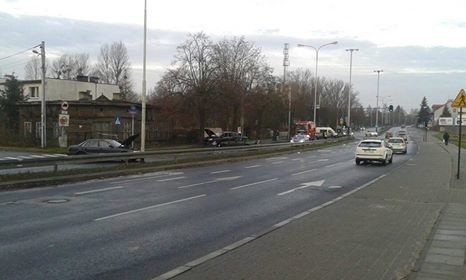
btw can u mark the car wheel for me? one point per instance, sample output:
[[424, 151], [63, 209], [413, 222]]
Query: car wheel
[[384, 162], [391, 159], [358, 161]]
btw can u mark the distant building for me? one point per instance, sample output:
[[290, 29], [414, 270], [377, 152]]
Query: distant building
[[95, 110], [83, 88], [438, 110]]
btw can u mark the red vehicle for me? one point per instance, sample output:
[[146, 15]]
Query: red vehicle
[[308, 127]]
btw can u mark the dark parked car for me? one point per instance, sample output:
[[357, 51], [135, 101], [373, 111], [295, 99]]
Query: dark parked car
[[96, 146], [224, 139]]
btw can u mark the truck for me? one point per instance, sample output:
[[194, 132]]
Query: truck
[[307, 127]]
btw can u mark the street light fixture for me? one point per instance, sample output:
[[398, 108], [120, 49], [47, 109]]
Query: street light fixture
[[349, 90], [377, 106], [316, 83]]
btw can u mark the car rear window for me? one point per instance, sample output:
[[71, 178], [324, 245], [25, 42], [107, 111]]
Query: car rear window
[[395, 141], [370, 144]]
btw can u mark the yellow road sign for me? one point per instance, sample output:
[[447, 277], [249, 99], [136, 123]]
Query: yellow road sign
[[460, 100]]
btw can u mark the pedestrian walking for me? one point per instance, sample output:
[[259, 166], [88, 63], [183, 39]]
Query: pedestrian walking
[[446, 137]]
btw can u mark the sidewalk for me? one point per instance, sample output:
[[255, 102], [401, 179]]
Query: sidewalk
[[387, 230], [444, 255]]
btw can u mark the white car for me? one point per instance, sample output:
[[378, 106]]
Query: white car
[[398, 145], [374, 150], [370, 134], [300, 138]]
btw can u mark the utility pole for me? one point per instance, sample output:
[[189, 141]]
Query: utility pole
[[43, 107], [286, 63], [349, 90], [377, 106]]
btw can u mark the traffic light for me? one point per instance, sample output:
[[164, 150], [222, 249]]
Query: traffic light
[[390, 108]]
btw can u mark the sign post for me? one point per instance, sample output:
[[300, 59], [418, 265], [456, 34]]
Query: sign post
[[63, 121], [459, 102], [133, 111]]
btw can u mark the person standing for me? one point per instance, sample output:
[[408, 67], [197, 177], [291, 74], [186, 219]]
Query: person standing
[[446, 137]]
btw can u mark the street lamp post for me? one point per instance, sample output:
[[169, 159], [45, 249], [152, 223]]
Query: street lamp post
[[143, 95], [316, 82], [286, 63], [377, 105], [349, 90]]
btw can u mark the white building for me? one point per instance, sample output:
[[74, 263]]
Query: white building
[[69, 90]]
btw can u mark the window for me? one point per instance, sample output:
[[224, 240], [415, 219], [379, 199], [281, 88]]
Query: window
[[27, 128], [33, 92], [38, 130], [370, 144]]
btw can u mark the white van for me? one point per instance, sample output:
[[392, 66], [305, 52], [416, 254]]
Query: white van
[[325, 132]]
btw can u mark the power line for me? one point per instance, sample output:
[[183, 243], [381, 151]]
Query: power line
[[21, 61], [18, 53]]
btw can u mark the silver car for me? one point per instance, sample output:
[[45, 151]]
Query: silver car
[[398, 145]]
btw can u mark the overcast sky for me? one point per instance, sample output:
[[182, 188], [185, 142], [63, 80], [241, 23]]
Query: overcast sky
[[420, 45]]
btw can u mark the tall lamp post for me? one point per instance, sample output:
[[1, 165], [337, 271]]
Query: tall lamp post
[[143, 96], [377, 105], [349, 90], [316, 83], [43, 108], [286, 63]]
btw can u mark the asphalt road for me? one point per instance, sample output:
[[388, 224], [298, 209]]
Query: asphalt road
[[138, 227]]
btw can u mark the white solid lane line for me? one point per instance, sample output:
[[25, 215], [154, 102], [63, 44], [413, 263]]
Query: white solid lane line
[[171, 179], [149, 207], [99, 190], [252, 184], [324, 159], [132, 180], [276, 158], [196, 184], [278, 162], [253, 166], [220, 171]]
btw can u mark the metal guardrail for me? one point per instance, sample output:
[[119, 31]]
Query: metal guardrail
[[174, 155]]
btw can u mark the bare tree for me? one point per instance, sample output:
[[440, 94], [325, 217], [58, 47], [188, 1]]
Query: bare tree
[[69, 66], [33, 69], [114, 67], [194, 74], [240, 67]]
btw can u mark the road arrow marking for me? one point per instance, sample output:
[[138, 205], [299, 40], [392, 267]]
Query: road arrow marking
[[304, 185]]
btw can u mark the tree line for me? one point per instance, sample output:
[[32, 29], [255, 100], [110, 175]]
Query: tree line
[[229, 84]]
